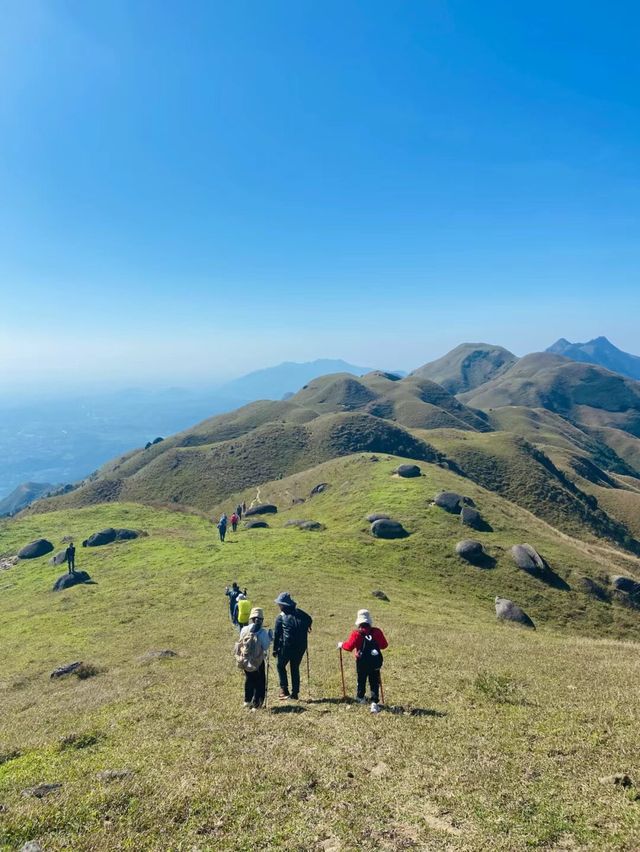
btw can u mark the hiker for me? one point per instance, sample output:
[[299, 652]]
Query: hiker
[[244, 507], [222, 527], [232, 593], [250, 652], [292, 627], [234, 522], [367, 642], [242, 611], [239, 511], [70, 558]]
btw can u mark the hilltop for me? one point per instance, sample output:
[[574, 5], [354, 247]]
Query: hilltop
[[468, 366]]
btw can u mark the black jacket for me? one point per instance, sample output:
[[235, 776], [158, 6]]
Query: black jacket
[[290, 632]]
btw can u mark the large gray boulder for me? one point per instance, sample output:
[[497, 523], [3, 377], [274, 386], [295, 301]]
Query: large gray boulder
[[471, 517], [470, 549], [60, 558], [626, 584], [262, 509], [506, 610], [99, 538], [67, 581], [307, 526], [452, 502], [528, 559], [386, 528], [39, 547], [256, 525], [408, 471]]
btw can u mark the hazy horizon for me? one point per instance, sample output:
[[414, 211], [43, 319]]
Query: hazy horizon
[[192, 194]]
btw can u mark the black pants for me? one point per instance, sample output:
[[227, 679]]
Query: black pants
[[374, 681], [293, 660], [255, 686], [234, 527], [72, 564], [223, 532]]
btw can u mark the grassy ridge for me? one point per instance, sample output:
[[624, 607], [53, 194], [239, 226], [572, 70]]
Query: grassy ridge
[[498, 739]]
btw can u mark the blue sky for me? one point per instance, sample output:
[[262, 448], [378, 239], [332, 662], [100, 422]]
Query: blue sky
[[192, 190]]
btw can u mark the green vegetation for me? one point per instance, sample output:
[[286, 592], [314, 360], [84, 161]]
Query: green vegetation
[[468, 366], [493, 736]]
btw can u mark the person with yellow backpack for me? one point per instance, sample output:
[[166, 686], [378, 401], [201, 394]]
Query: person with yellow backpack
[[242, 611], [251, 653]]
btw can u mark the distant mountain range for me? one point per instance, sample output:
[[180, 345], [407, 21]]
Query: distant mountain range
[[286, 378], [599, 351], [23, 496]]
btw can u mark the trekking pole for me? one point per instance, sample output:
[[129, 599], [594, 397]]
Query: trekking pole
[[308, 675], [344, 691], [381, 687]]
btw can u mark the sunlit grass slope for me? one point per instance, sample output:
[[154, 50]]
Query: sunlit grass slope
[[495, 738]]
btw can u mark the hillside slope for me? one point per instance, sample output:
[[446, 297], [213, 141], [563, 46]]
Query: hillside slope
[[585, 393], [467, 366], [492, 736]]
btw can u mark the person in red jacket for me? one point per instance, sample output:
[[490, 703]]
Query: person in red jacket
[[367, 643]]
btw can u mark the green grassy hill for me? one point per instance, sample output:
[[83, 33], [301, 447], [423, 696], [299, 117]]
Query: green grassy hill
[[492, 736], [468, 366], [585, 393]]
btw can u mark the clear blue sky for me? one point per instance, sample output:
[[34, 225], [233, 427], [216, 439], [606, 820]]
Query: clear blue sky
[[193, 189]]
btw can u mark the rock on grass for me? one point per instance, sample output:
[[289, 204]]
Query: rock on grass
[[506, 610], [39, 547]]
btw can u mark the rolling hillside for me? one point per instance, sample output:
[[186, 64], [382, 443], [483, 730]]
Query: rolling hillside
[[468, 366], [492, 735]]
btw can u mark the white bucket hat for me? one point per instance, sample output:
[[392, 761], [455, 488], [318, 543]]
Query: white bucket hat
[[363, 616]]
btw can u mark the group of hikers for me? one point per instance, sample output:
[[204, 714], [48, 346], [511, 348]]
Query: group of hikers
[[234, 520], [290, 638]]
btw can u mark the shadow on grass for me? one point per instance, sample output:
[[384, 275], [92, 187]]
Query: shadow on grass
[[287, 708], [399, 710], [341, 700]]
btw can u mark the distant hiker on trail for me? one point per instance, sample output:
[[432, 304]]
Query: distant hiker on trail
[[232, 593], [244, 507], [70, 558], [250, 651], [367, 642], [242, 611], [222, 527], [234, 522], [292, 627]]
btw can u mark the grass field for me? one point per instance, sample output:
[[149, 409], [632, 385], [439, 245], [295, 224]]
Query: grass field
[[492, 737]]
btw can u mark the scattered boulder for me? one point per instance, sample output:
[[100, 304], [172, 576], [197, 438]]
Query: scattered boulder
[[256, 525], [470, 549], [308, 526], [67, 581], [262, 509], [298, 501], [452, 502], [39, 547], [59, 558], [386, 528], [380, 595], [625, 584], [108, 775], [318, 489], [471, 517], [590, 587], [61, 671], [506, 610], [528, 559], [377, 516], [7, 562], [41, 790], [31, 846], [110, 535], [407, 471]]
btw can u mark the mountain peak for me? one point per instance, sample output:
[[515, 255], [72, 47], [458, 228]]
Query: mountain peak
[[600, 351]]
